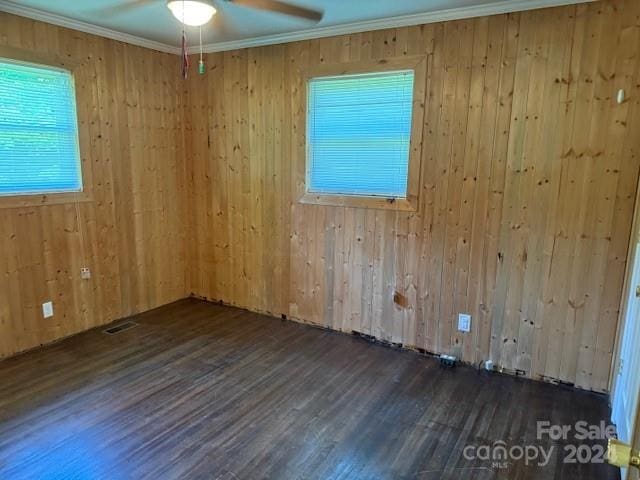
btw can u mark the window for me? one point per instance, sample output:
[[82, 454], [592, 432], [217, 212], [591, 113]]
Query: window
[[359, 129], [38, 130], [363, 136]]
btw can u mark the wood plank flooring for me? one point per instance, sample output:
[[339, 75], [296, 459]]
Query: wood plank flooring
[[202, 391]]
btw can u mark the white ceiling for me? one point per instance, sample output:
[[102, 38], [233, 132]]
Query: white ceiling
[[151, 24]]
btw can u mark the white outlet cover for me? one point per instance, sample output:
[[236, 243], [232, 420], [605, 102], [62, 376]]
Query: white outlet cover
[[464, 322], [85, 273], [47, 309]]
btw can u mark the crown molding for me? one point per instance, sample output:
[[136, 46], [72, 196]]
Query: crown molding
[[61, 21], [505, 6], [459, 13]]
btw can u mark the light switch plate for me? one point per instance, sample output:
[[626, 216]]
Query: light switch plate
[[464, 322], [47, 309]]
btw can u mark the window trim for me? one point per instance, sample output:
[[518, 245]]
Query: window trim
[[417, 63], [53, 198]]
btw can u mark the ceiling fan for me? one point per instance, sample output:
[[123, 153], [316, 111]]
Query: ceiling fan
[[196, 13]]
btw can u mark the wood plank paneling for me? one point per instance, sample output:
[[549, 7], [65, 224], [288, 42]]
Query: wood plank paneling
[[132, 234], [529, 170]]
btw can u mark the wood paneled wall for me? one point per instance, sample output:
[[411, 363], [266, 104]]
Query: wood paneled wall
[[132, 234], [529, 170]]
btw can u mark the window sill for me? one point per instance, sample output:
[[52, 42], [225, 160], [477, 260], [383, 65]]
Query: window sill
[[379, 203], [43, 199]]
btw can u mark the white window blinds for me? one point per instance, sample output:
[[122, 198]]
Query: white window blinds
[[358, 134], [38, 130]]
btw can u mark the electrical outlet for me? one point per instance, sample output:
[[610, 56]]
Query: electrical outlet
[[47, 309], [85, 273], [464, 322]]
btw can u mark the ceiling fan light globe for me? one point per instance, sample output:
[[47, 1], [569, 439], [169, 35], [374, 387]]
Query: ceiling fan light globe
[[192, 12]]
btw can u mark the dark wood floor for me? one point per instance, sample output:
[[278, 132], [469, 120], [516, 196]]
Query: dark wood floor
[[201, 391]]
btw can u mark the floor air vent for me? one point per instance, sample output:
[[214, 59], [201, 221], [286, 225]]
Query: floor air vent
[[120, 328]]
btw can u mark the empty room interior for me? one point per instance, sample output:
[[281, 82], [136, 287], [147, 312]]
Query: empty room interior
[[319, 239]]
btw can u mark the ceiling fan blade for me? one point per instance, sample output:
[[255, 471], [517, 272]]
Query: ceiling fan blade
[[282, 7], [225, 24], [123, 7]]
